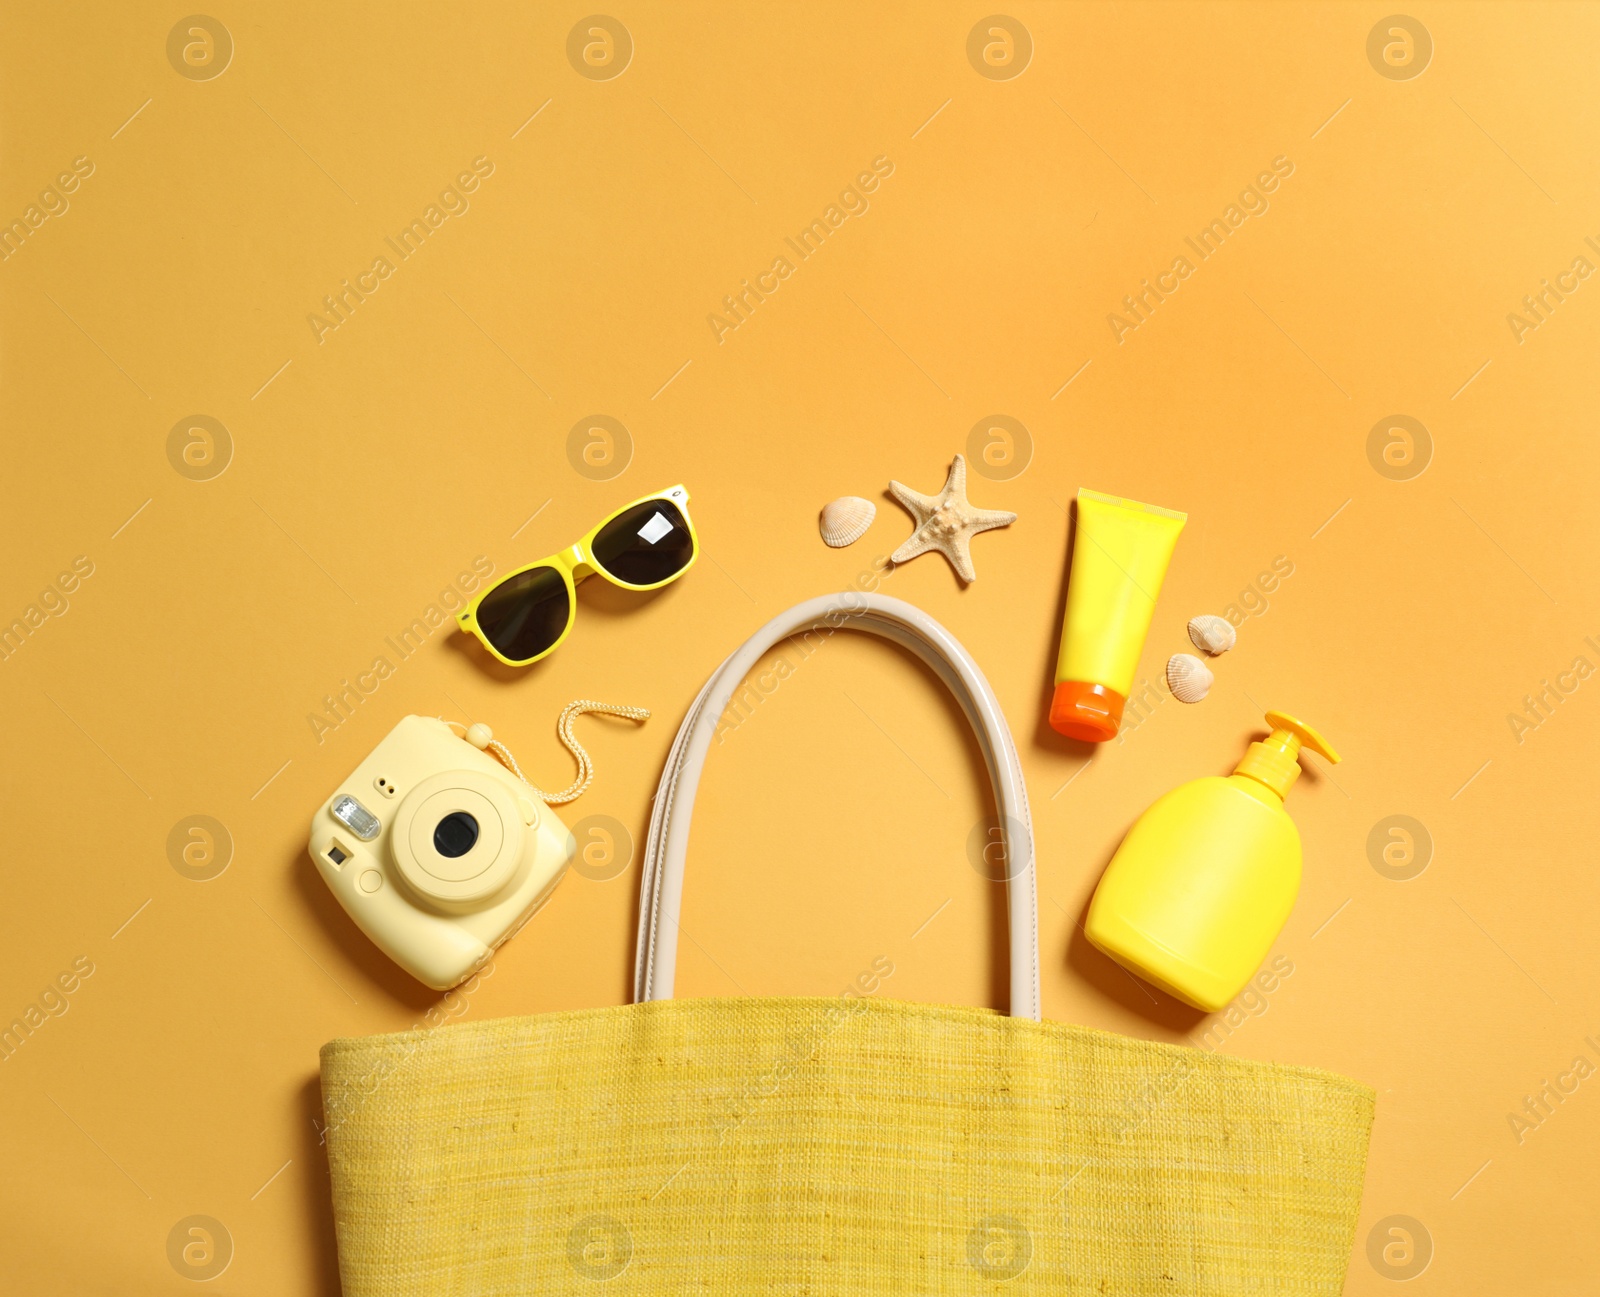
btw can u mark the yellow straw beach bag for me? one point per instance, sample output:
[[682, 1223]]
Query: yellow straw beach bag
[[850, 1147]]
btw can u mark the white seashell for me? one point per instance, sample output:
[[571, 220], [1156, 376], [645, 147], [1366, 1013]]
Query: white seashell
[[1188, 677], [1212, 634], [845, 520]]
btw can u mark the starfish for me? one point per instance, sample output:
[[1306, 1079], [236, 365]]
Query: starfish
[[946, 522]]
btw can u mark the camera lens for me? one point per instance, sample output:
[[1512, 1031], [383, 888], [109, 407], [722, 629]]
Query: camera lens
[[455, 835]]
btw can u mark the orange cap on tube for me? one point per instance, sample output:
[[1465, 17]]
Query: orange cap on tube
[[1084, 711]]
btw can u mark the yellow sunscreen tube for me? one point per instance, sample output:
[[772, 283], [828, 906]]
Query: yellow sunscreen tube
[[1119, 559]]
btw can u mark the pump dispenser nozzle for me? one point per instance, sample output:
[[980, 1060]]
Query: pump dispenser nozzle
[[1274, 762]]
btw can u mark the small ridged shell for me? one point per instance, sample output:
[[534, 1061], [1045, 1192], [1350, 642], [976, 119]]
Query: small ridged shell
[[845, 520], [1188, 677], [1212, 634]]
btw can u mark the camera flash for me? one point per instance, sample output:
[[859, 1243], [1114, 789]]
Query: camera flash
[[357, 818]]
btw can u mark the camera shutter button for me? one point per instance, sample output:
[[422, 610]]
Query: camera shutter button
[[370, 881]]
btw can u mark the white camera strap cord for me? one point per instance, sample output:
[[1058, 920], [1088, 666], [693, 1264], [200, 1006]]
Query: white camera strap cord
[[661, 875], [482, 737]]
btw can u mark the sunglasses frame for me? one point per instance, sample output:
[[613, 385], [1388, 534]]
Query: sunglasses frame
[[576, 564]]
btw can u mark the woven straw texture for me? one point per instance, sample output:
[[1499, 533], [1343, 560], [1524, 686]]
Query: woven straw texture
[[831, 1146]]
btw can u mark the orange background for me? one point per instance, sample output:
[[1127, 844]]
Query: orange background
[[370, 467]]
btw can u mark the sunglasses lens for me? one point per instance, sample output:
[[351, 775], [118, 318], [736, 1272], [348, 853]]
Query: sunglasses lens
[[645, 545], [525, 614]]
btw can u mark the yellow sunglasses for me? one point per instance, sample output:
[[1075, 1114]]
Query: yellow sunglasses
[[642, 546]]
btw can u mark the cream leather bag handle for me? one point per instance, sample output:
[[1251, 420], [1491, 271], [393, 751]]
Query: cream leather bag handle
[[661, 881]]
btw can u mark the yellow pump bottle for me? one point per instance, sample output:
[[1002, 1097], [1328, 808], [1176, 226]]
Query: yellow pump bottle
[[1201, 886]]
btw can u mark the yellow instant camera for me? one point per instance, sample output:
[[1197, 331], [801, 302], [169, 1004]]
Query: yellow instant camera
[[438, 851]]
